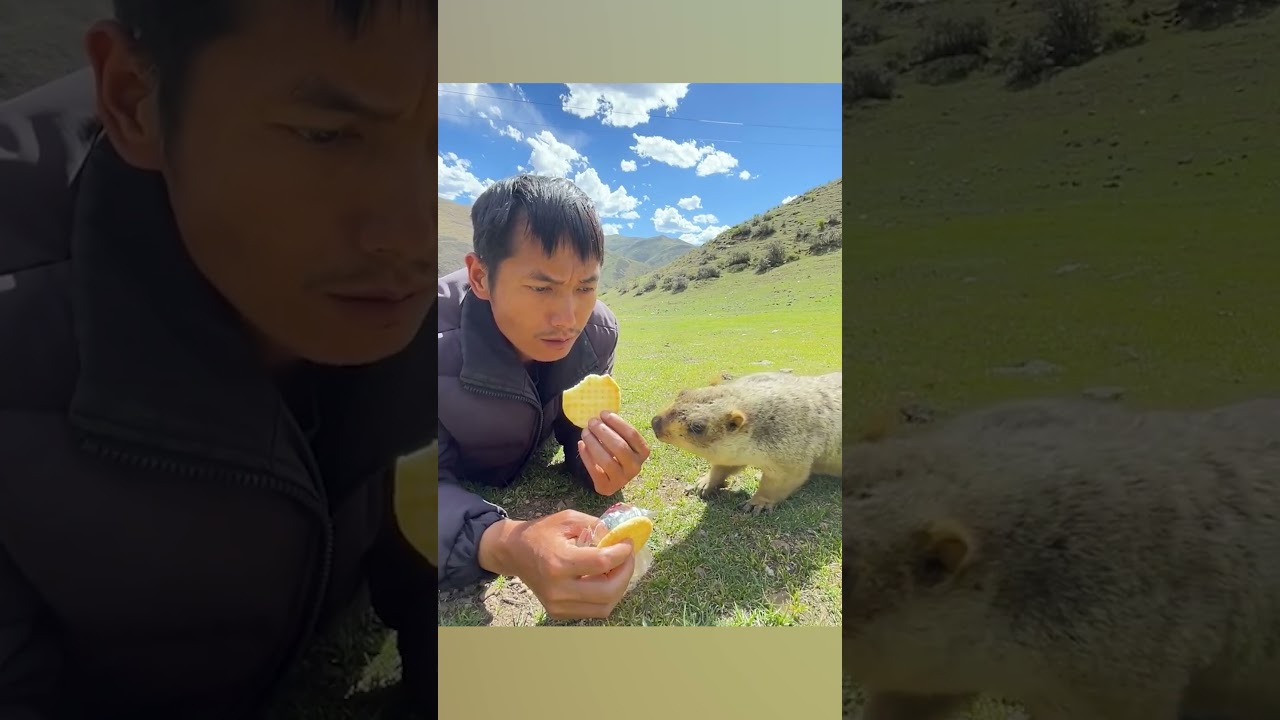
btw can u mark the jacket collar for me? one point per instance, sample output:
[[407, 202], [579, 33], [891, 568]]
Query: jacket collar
[[490, 361], [166, 364]]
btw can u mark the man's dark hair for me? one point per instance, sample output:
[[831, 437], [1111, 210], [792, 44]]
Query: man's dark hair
[[170, 34], [554, 210]]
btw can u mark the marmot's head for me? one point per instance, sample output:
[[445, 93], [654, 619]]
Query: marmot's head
[[914, 576], [701, 419]]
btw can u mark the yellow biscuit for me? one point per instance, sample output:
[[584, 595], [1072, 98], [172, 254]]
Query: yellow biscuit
[[589, 398], [416, 501], [637, 530]]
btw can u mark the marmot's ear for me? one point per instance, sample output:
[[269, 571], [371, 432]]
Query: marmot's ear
[[942, 551], [736, 420]]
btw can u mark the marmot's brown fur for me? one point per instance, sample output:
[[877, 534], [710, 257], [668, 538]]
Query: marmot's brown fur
[[1087, 562], [787, 425]]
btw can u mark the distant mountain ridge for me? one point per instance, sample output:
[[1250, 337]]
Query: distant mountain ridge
[[625, 256]]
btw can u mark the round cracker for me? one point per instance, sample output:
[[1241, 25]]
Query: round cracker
[[637, 530]]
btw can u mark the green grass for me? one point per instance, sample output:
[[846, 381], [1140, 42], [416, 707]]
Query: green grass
[[714, 565], [1117, 221]]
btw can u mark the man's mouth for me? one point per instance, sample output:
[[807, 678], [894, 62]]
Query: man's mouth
[[378, 305]]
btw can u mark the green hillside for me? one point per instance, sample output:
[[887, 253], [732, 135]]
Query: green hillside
[[806, 228], [1109, 220], [653, 252]]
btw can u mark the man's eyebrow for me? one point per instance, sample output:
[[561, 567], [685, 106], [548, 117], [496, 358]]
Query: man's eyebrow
[[324, 95], [543, 277]]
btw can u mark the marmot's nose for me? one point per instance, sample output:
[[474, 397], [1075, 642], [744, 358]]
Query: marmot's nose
[[656, 423]]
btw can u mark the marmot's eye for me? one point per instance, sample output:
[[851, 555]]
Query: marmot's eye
[[697, 428]]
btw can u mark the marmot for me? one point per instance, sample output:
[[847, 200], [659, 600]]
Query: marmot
[[1083, 560], [787, 425]]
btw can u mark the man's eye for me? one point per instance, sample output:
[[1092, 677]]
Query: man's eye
[[319, 137], [538, 289]]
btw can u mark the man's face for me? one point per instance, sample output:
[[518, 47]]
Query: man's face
[[540, 303], [302, 178]]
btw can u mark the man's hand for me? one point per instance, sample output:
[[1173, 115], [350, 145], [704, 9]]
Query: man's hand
[[612, 451], [571, 582]]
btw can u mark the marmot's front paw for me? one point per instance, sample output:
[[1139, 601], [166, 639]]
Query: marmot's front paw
[[703, 488], [755, 506]]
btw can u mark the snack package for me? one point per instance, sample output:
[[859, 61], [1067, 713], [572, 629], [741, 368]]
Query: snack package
[[624, 521]]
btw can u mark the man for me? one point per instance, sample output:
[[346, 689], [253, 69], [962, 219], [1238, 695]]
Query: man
[[518, 326], [215, 252]]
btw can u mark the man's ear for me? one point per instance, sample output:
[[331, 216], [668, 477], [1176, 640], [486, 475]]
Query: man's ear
[[126, 95], [478, 277], [943, 550]]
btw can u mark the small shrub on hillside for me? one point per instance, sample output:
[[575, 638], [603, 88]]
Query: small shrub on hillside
[[826, 241], [950, 69], [1074, 30], [651, 284], [775, 256], [706, 258], [740, 257], [869, 83], [707, 272], [954, 37], [763, 230], [1072, 35], [1211, 14], [676, 283], [1030, 63], [1123, 37], [833, 219], [862, 34]]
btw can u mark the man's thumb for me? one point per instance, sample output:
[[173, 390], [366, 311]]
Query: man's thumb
[[617, 553]]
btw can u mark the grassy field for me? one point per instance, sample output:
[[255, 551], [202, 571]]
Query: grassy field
[[713, 564], [1112, 226]]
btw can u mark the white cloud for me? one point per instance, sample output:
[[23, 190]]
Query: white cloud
[[500, 106], [707, 219], [610, 203], [684, 155], [455, 179], [612, 229], [693, 202], [552, 157], [669, 221], [622, 105], [788, 199], [745, 175], [628, 165]]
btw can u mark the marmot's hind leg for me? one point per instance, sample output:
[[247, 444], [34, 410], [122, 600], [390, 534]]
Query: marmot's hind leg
[[776, 485]]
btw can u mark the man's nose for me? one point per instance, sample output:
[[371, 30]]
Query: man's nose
[[403, 223]]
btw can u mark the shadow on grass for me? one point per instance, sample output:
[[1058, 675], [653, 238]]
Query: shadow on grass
[[713, 564], [351, 672]]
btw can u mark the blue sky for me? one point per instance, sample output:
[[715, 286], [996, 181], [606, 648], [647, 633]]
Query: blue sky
[[677, 159]]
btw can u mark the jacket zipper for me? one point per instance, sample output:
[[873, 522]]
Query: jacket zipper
[[263, 481], [537, 428]]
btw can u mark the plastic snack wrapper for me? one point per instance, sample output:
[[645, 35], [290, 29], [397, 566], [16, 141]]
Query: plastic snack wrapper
[[623, 521]]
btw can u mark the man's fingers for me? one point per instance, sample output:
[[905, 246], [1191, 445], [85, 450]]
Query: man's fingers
[[579, 561], [599, 478], [613, 444], [626, 432], [616, 474], [575, 610]]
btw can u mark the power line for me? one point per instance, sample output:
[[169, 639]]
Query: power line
[[703, 140], [652, 117]]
